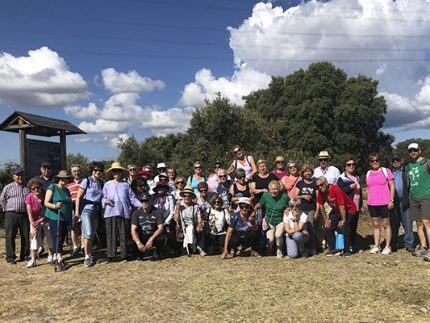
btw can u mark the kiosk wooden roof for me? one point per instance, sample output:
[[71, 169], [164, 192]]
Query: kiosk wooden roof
[[38, 125]]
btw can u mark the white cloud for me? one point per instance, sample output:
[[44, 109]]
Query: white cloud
[[41, 79], [206, 86], [80, 112], [104, 126], [115, 141], [118, 82], [378, 38]]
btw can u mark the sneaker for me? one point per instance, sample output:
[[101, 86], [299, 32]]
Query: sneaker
[[51, 259], [201, 252], [255, 254], [410, 249], [11, 261], [76, 252], [375, 250], [331, 252], [279, 254], [88, 262], [426, 258], [386, 251], [421, 252], [40, 251], [62, 266], [345, 254], [31, 264], [156, 256]]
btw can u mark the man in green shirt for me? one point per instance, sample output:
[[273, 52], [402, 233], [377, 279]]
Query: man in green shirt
[[419, 193]]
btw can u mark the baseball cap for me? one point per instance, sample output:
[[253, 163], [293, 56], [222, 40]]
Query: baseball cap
[[145, 197], [17, 170], [414, 145]]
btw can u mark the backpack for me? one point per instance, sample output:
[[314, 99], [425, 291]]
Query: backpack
[[191, 179], [384, 171], [83, 200]]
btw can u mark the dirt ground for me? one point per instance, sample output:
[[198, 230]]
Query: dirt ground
[[362, 288]]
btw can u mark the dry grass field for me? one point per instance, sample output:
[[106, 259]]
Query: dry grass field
[[362, 288]]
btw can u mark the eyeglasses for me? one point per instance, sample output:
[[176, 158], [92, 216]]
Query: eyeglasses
[[294, 166], [217, 166], [132, 170], [374, 161], [320, 185], [198, 167], [203, 191], [241, 177], [222, 176], [162, 170], [350, 164], [323, 159], [35, 188], [97, 170], [187, 196], [395, 160], [180, 182], [244, 206], [237, 151], [413, 150]]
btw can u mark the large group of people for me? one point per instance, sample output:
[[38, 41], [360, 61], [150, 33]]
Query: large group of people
[[291, 211]]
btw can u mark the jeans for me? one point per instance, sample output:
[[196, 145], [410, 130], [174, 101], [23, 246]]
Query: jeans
[[90, 223], [62, 232], [400, 216], [344, 229], [296, 243]]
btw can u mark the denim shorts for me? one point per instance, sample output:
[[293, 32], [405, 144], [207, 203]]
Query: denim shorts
[[90, 223]]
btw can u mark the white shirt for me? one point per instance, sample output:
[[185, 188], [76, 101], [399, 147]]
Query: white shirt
[[331, 173], [290, 219]]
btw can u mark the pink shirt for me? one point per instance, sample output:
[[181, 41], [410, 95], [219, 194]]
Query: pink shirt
[[36, 206], [378, 191], [290, 183]]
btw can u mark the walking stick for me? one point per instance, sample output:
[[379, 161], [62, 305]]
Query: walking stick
[[57, 238]]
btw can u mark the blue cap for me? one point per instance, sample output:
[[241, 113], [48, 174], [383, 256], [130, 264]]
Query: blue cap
[[17, 170], [145, 197]]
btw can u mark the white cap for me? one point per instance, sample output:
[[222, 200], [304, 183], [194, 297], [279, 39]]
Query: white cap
[[244, 200], [161, 165], [414, 145]]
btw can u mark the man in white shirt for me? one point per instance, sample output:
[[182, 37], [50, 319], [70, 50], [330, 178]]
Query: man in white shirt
[[329, 172]]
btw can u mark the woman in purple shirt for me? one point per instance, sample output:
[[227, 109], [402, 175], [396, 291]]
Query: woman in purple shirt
[[117, 200]]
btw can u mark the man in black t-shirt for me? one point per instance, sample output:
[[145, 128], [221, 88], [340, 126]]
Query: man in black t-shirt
[[147, 227]]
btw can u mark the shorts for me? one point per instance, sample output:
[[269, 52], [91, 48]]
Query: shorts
[[74, 224], [378, 211], [420, 208], [89, 223], [37, 241]]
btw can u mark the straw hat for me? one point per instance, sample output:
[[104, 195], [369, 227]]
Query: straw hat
[[117, 165], [244, 200], [280, 159], [188, 190], [63, 174], [324, 154]]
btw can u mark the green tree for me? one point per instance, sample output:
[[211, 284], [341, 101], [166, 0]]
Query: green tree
[[402, 147], [78, 159]]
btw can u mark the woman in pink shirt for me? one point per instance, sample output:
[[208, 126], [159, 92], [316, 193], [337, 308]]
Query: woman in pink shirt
[[380, 199], [290, 181]]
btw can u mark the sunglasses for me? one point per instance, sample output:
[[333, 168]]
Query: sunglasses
[[237, 151], [350, 164], [132, 170], [203, 191], [395, 160], [97, 170], [241, 177], [198, 167], [187, 196], [217, 202], [323, 159], [35, 188], [413, 150], [320, 185], [180, 182], [144, 201], [244, 206], [116, 171], [374, 161], [217, 166], [222, 176], [294, 166]]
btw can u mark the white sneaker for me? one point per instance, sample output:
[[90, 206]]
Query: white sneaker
[[279, 254], [386, 251], [49, 259], [375, 250], [201, 252], [31, 264]]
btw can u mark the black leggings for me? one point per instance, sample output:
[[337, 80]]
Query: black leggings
[[62, 232], [246, 239]]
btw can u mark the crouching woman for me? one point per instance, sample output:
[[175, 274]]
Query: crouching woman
[[242, 231], [295, 227]]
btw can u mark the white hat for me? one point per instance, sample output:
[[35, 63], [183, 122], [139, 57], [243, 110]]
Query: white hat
[[161, 165], [244, 200], [324, 154], [414, 145]]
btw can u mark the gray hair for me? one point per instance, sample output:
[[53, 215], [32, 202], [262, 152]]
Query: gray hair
[[221, 172], [275, 183], [322, 179], [294, 201]]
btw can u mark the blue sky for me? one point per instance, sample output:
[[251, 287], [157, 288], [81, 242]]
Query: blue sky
[[87, 55]]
